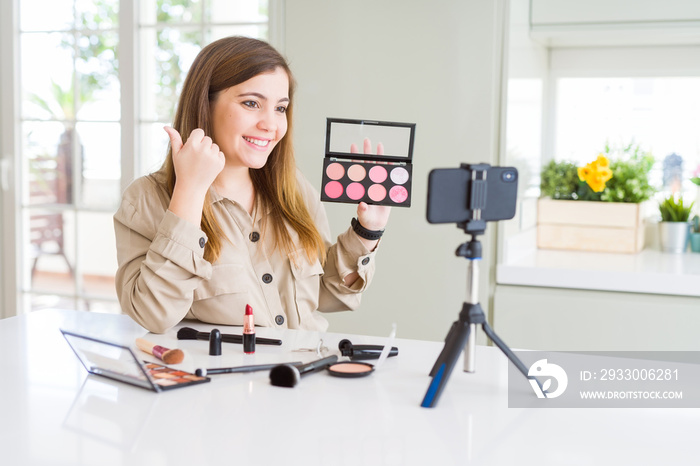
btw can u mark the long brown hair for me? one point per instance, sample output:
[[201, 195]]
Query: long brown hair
[[222, 64]]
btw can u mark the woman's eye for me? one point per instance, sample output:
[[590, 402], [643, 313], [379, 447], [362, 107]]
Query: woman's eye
[[282, 109], [250, 104]]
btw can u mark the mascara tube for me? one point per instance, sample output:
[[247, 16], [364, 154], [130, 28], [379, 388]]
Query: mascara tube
[[248, 331]]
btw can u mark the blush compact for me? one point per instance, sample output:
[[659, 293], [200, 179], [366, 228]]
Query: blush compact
[[350, 369], [382, 178]]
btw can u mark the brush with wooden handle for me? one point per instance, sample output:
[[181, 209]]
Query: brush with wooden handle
[[168, 356]]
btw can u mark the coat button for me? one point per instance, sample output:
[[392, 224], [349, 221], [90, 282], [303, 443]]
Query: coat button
[[279, 320], [267, 278], [254, 236], [365, 261], [202, 242]]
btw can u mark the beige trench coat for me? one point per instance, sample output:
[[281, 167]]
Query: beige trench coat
[[163, 277]]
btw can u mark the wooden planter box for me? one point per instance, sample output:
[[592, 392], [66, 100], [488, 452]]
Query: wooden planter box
[[589, 226]]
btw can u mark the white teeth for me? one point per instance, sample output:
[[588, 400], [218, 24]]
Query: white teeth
[[257, 142]]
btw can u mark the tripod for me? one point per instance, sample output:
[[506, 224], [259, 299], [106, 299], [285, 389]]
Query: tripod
[[460, 332]]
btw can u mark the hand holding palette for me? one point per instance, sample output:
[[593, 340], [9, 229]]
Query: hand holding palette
[[381, 179]]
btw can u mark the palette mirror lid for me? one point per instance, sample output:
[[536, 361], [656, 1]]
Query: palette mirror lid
[[109, 359], [396, 138]]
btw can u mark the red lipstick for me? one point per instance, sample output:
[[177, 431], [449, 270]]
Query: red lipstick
[[248, 331]]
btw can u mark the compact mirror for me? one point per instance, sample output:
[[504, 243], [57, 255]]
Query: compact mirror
[[397, 138]]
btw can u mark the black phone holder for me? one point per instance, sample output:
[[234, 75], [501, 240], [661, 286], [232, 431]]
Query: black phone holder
[[461, 335]]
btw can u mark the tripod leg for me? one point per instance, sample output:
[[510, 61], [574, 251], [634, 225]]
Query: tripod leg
[[507, 351], [440, 359], [457, 338]]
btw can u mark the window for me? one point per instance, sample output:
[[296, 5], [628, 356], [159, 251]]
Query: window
[[662, 114], [171, 33], [524, 132], [72, 127]]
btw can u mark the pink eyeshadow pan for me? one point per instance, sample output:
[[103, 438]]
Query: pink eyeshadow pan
[[376, 192], [354, 191], [377, 174], [398, 194], [399, 175], [356, 172], [334, 189], [335, 171]]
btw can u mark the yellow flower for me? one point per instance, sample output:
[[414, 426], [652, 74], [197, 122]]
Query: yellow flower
[[596, 173], [602, 161], [584, 173], [596, 184]]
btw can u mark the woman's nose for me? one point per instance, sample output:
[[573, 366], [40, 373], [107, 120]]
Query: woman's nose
[[267, 122]]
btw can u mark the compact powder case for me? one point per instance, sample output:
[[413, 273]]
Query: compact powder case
[[350, 369], [380, 179]]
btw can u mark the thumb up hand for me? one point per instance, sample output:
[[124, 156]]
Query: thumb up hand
[[197, 162]]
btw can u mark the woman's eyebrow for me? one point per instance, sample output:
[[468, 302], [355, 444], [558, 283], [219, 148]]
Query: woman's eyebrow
[[260, 96]]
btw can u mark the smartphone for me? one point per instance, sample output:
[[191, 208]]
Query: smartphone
[[449, 193]]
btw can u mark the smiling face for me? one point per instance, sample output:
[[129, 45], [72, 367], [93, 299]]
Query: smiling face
[[249, 119]]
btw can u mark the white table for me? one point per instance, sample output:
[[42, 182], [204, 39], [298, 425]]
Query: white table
[[53, 413]]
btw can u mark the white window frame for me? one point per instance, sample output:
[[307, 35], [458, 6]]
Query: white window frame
[[9, 148]]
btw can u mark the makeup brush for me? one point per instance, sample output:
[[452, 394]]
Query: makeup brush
[[239, 369], [168, 356], [188, 333], [287, 375]]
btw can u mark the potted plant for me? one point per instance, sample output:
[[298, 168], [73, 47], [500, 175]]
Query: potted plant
[[695, 179], [595, 207], [695, 234], [673, 228], [559, 180]]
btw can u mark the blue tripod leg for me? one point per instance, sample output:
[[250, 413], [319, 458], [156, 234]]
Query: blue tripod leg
[[441, 359], [454, 344]]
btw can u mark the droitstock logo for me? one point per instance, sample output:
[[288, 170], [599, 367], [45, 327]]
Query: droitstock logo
[[605, 379], [542, 369]]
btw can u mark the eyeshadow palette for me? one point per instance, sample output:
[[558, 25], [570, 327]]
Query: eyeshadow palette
[[167, 377], [383, 178], [118, 362]]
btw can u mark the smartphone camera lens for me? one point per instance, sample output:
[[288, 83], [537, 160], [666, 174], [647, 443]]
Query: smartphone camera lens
[[509, 176]]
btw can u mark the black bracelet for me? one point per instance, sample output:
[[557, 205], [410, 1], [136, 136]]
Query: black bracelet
[[363, 232]]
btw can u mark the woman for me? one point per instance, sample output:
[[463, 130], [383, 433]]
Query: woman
[[228, 220]]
